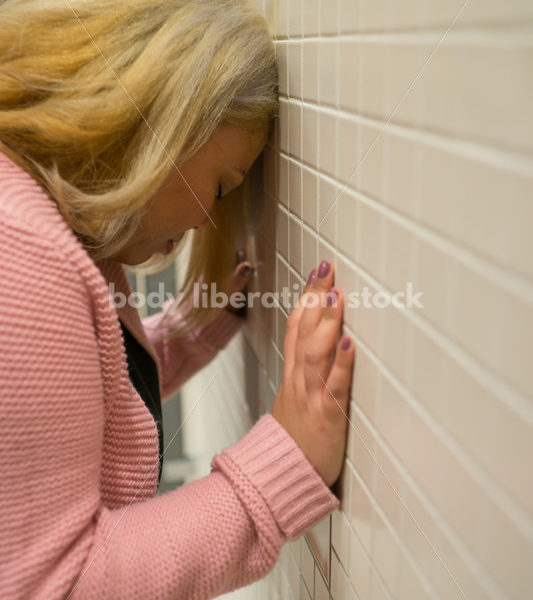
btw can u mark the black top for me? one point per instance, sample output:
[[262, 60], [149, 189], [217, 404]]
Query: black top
[[143, 375]]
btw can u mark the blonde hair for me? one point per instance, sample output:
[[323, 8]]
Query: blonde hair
[[98, 99]]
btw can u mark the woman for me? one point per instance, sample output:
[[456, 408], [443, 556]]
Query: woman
[[120, 127]]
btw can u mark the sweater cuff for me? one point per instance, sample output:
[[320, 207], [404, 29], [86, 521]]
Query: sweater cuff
[[220, 331], [275, 465]]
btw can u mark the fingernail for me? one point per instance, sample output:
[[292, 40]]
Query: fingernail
[[333, 297], [240, 255], [311, 276], [246, 271], [324, 269], [345, 343]]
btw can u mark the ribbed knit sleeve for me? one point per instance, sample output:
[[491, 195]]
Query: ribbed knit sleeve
[[213, 535], [181, 357]]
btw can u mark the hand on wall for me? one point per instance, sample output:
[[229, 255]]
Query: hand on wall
[[313, 398]]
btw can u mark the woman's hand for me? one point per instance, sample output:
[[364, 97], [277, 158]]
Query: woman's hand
[[238, 282], [312, 401]]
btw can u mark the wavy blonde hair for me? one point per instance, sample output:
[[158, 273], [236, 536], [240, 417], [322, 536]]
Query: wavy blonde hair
[[99, 99]]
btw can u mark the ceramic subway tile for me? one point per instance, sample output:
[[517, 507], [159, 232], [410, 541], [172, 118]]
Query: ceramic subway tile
[[295, 188], [499, 87], [361, 512], [513, 337], [474, 310], [406, 65], [369, 318], [343, 485], [321, 590], [295, 548], [402, 160], [365, 383], [359, 567], [399, 256], [439, 183], [348, 151], [310, 197], [368, 166], [294, 25], [283, 125], [409, 583], [304, 592], [282, 20], [371, 234], [397, 341], [310, 135], [295, 129], [380, 15], [340, 586], [420, 532], [346, 205], [429, 381], [294, 59], [327, 209], [329, 17], [308, 567], [320, 545], [309, 255], [456, 577], [282, 59], [295, 580], [385, 551], [311, 15], [327, 60], [374, 15], [508, 454], [433, 276], [345, 279], [391, 418], [460, 499], [310, 71], [481, 12], [282, 274], [506, 551], [379, 589], [348, 63], [371, 78], [484, 211], [361, 455], [295, 244], [327, 127], [349, 16], [340, 530]]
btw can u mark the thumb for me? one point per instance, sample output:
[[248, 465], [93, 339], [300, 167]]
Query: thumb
[[240, 277]]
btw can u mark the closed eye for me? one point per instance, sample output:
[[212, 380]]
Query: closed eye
[[219, 193]]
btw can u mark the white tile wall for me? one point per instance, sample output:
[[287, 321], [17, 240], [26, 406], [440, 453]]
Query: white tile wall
[[403, 153]]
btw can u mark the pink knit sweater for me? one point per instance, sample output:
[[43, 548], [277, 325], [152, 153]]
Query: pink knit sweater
[[79, 449]]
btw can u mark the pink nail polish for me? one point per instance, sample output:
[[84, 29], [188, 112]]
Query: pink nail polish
[[324, 269], [311, 276], [333, 297]]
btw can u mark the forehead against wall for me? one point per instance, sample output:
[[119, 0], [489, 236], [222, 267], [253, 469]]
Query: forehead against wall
[[403, 155]]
